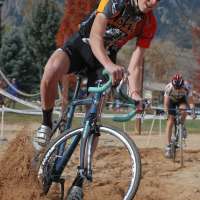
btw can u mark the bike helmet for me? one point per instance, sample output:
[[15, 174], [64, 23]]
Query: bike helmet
[[177, 81]]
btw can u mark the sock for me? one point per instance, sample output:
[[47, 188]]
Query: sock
[[47, 114]]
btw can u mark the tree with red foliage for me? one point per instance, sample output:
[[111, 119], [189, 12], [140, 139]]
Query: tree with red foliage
[[196, 51], [74, 12]]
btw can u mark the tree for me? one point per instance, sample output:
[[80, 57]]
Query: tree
[[25, 74], [160, 61], [11, 45], [74, 12], [15, 61], [196, 51], [39, 33], [26, 50]]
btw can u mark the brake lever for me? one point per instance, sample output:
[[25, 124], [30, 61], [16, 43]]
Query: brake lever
[[123, 80]]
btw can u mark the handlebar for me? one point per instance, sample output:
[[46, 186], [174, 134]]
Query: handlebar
[[125, 117], [104, 87], [177, 110], [130, 102]]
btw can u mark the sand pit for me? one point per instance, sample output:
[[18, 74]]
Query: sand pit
[[161, 178]]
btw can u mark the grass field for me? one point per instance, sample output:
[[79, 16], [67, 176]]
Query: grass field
[[193, 126]]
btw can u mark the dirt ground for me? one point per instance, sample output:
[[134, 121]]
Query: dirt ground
[[161, 178]]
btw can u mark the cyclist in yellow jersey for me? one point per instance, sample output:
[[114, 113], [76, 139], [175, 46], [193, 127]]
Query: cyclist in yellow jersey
[[94, 47]]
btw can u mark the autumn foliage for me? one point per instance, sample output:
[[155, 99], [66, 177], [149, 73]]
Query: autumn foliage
[[196, 43], [196, 51], [74, 13]]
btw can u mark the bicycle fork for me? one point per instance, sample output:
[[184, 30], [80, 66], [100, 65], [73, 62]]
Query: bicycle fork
[[88, 142], [177, 142], [84, 171]]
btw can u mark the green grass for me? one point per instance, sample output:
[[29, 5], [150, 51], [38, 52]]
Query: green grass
[[193, 126], [20, 118]]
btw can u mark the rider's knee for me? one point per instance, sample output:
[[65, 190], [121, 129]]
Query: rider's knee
[[58, 63]]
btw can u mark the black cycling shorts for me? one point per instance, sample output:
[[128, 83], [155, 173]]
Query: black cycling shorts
[[82, 58], [173, 105]]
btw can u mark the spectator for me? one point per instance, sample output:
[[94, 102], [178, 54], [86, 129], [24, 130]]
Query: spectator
[[2, 86], [12, 89]]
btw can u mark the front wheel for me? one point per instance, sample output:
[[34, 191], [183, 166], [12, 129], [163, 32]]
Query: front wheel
[[174, 142], [116, 165], [181, 143]]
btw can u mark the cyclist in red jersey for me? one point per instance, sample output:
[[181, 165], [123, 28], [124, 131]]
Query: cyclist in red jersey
[[94, 47]]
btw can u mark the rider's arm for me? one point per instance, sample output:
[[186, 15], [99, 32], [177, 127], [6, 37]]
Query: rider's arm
[[191, 102], [166, 103], [135, 65], [105, 11], [97, 41], [192, 106], [190, 98], [97, 45], [143, 42], [189, 88]]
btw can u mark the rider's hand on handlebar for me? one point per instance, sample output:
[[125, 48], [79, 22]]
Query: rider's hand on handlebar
[[116, 71]]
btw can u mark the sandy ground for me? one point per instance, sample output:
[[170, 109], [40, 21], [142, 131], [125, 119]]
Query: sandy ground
[[161, 178]]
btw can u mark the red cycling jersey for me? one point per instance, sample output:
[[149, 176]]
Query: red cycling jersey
[[123, 24]]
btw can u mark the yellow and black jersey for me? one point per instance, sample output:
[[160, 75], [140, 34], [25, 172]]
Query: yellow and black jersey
[[124, 23]]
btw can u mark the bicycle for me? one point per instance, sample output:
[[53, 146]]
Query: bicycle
[[179, 135], [60, 151]]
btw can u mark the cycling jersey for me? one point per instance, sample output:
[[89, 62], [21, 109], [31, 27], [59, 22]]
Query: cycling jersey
[[178, 95], [124, 23]]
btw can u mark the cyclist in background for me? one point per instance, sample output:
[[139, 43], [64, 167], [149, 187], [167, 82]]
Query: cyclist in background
[[94, 46], [177, 93]]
